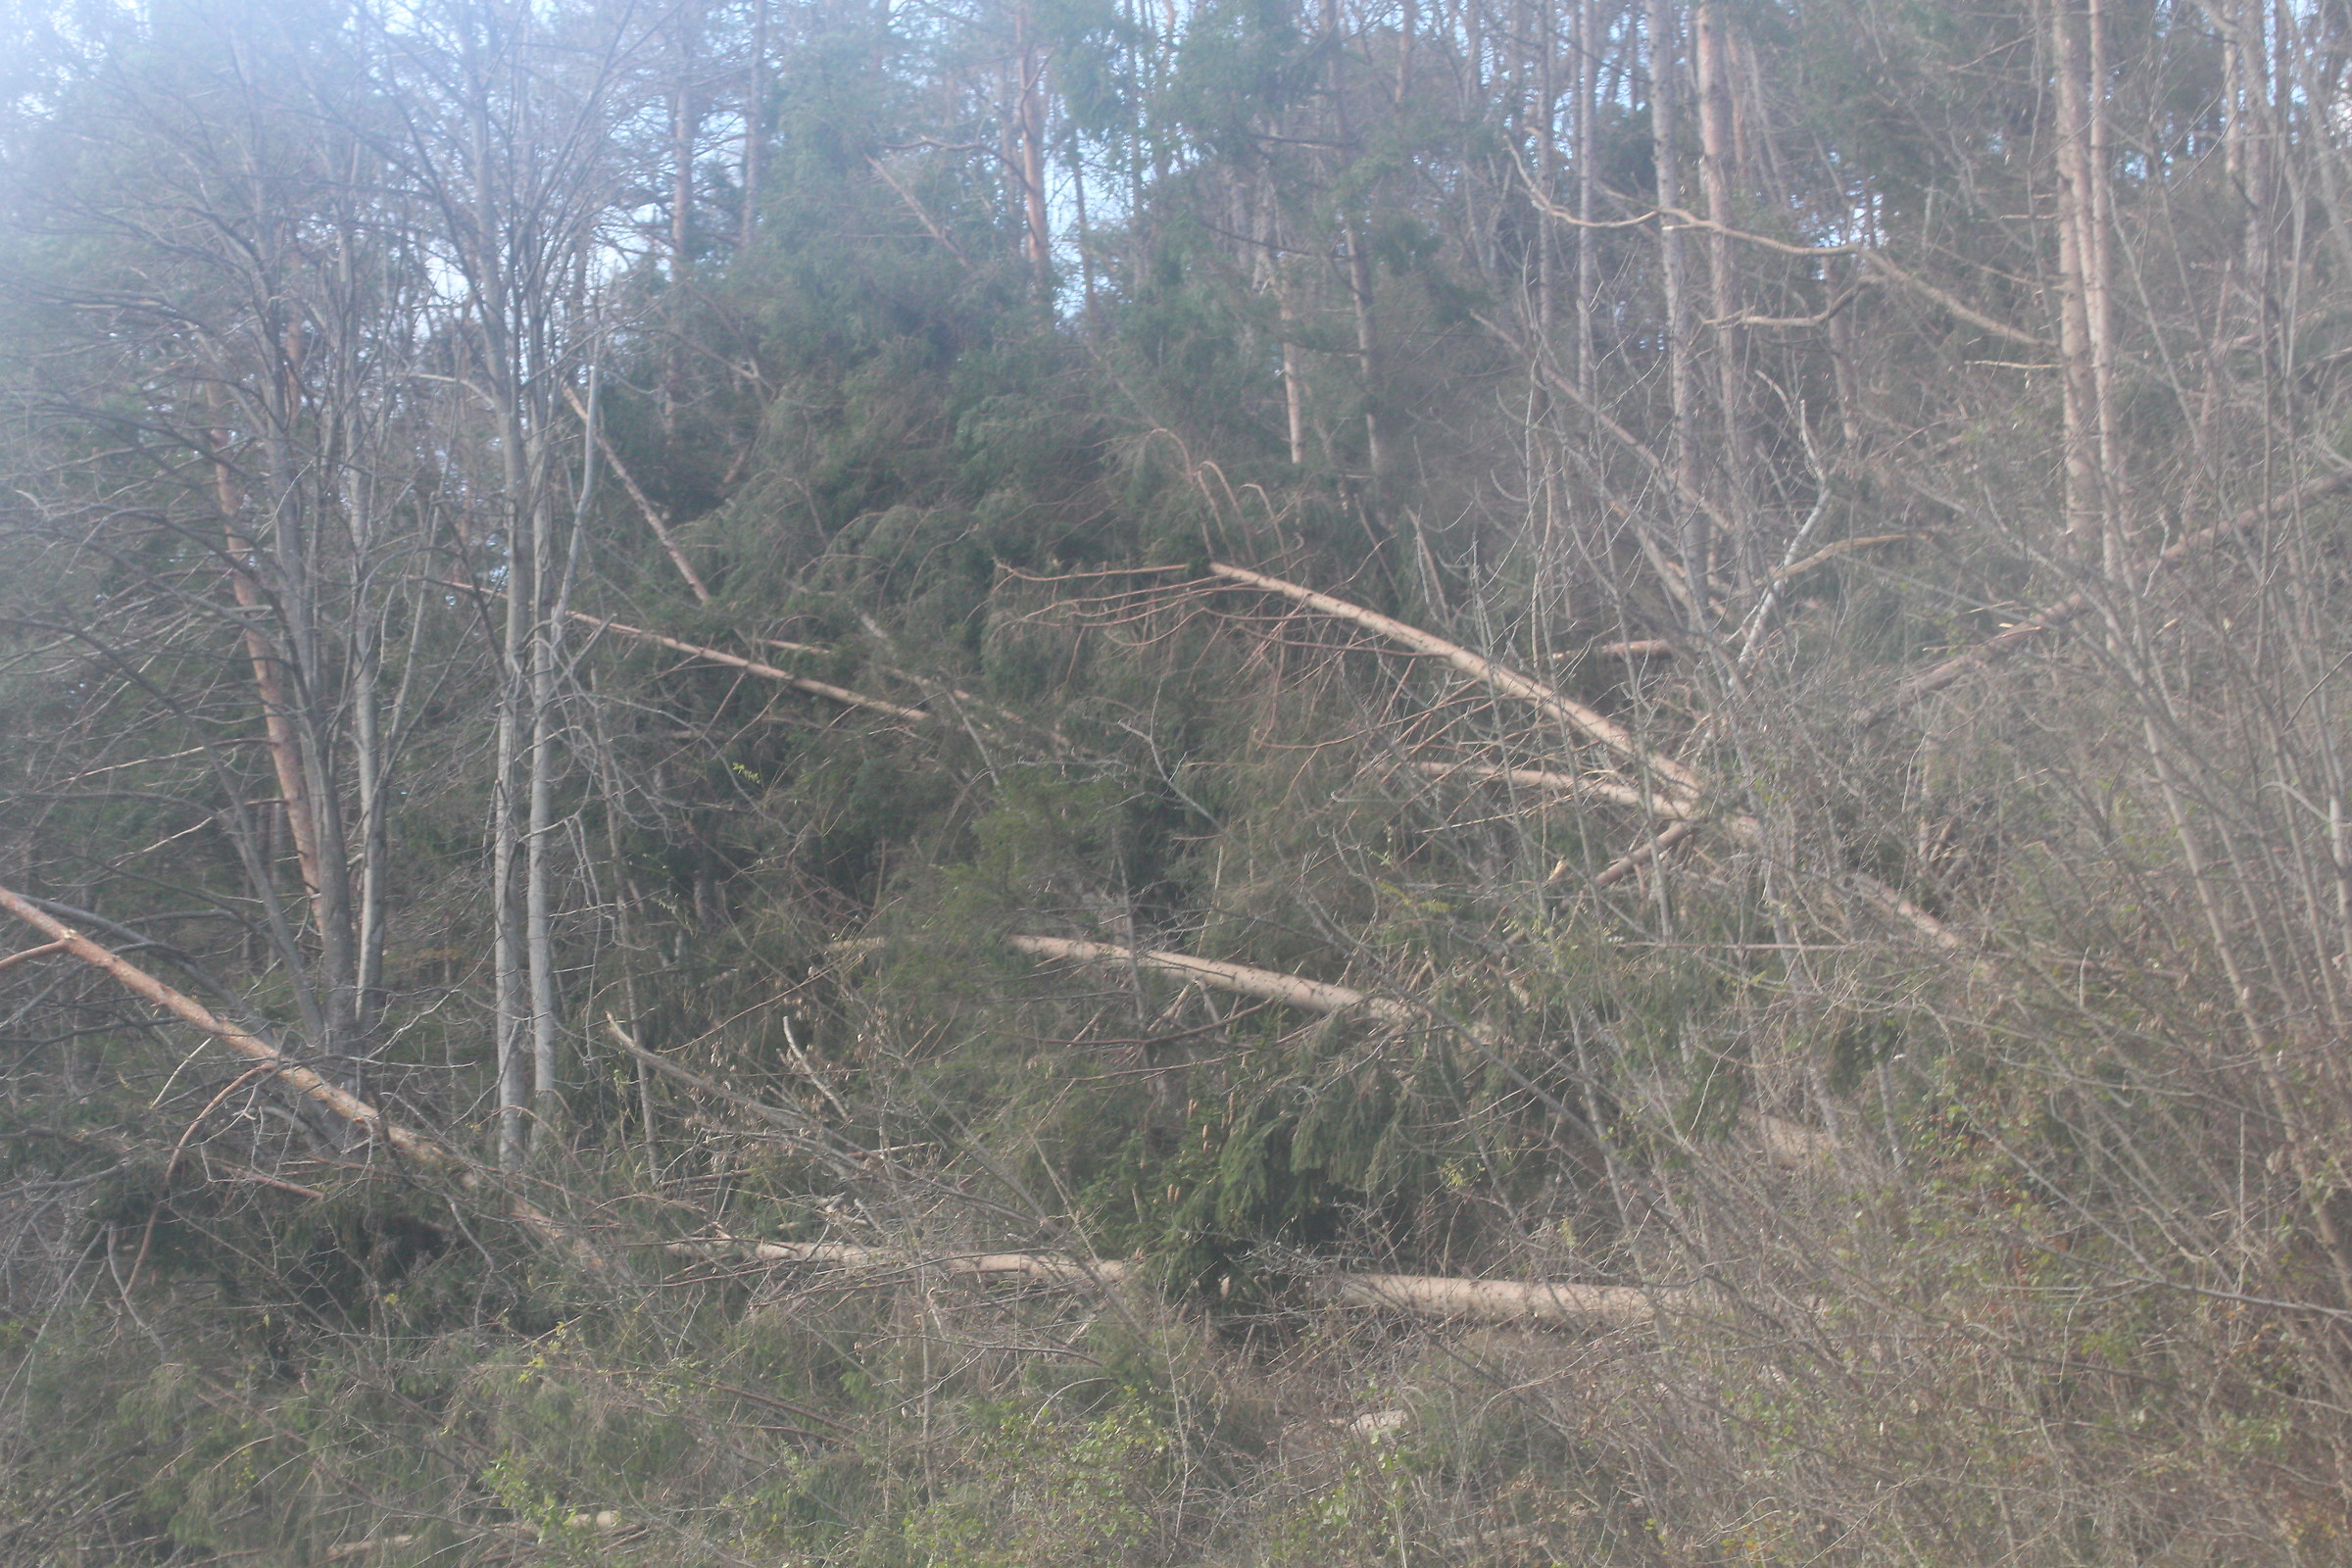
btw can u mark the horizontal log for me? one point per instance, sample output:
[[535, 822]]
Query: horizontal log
[[849, 1257], [1267, 985], [1425, 1296], [1441, 1297], [1589, 786]]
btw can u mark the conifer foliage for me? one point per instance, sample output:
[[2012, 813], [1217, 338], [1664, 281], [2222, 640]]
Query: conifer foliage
[[1045, 781]]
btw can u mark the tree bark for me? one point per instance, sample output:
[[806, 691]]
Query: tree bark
[[1697, 543], [1718, 164]]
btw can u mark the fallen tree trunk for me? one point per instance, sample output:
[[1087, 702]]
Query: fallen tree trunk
[[1267, 985], [1594, 726], [1425, 1296], [1784, 1143], [1537, 1301], [1680, 806], [1686, 818], [2050, 618], [1052, 1267], [752, 666], [718, 656], [644, 504], [1616, 793], [419, 1150]]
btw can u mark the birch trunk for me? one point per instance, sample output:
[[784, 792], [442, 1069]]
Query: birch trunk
[[1718, 161], [2078, 385], [1697, 545]]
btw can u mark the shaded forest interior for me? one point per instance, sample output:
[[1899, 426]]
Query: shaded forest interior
[[1034, 783]]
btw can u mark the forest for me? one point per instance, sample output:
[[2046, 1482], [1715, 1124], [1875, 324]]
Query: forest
[[1072, 784]]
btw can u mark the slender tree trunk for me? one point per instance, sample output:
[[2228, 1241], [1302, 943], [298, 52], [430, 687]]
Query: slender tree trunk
[[1294, 390], [538, 845], [2100, 305], [2079, 391], [1587, 181], [754, 121], [1718, 161], [268, 683], [503, 357], [287, 671], [547, 640], [374, 764], [1544, 121], [1682, 441], [1359, 271], [1030, 115], [507, 915], [684, 129], [1084, 236]]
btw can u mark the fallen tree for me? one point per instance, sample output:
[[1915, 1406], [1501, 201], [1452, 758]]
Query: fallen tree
[[720, 656], [421, 1150], [1594, 726], [2052, 616], [1424, 1296], [1680, 803], [1784, 1143]]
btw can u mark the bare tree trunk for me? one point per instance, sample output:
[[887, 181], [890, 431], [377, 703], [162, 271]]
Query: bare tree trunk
[[1718, 158], [547, 640], [1293, 389], [1682, 448], [1360, 269], [754, 121], [538, 935], [507, 940], [288, 671], [268, 683], [1030, 116], [2079, 391], [502, 355], [372, 762], [684, 126], [1587, 181], [374, 759], [1548, 158]]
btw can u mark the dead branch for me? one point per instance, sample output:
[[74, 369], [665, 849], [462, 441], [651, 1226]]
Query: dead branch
[[14, 959], [1952, 304], [799, 1131]]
